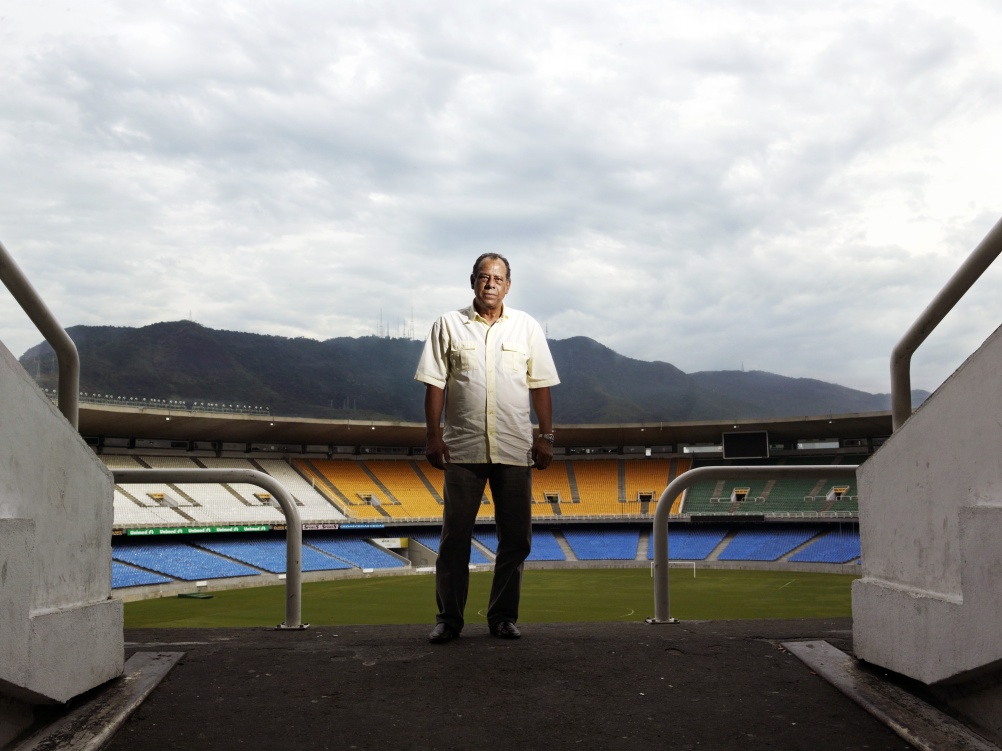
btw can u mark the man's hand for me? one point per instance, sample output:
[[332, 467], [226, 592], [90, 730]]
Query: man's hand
[[542, 453], [542, 449], [437, 453]]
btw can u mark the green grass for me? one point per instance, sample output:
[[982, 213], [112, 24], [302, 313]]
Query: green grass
[[547, 596]]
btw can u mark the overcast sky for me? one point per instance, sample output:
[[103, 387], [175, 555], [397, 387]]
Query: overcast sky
[[767, 184]]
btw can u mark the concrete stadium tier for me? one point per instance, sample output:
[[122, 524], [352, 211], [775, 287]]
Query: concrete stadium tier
[[55, 557], [928, 603]]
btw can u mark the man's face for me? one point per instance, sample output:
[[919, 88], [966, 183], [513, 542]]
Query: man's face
[[490, 284]]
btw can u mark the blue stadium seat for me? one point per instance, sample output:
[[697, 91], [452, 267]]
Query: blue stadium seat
[[836, 546], [123, 575], [488, 537], [178, 560], [431, 540], [766, 543], [355, 550], [691, 542], [269, 554], [603, 543], [544, 544], [545, 547]]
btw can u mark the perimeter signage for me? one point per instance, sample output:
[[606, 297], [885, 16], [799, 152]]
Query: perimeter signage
[[195, 530], [156, 531], [340, 525]]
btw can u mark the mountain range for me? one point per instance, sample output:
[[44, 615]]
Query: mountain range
[[372, 378]]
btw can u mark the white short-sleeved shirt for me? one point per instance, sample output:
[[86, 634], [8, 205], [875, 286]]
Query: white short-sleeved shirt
[[487, 372]]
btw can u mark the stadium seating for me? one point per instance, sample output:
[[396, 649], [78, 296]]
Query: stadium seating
[[313, 506], [795, 495], [848, 503], [346, 483], [549, 484], [237, 495], [544, 545], [840, 545], [678, 466], [692, 542], [374, 490], [403, 481], [123, 575], [121, 461], [135, 513], [206, 557], [269, 554], [766, 543], [603, 543], [169, 462], [225, 504], [431, 541], [392, 490], [177, 560], [488, 538], [714, 497], [780, 497], [433, 478], [184, 504], [598, 488], [647, 476], [355, 550]]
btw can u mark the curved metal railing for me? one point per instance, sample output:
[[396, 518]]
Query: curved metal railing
[[294, 526], [962, 280], [39, 313], [662, 613]]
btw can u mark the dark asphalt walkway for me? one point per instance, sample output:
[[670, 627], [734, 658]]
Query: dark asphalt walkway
[[694, 685]]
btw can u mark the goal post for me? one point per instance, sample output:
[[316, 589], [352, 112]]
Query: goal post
[[678, 564]]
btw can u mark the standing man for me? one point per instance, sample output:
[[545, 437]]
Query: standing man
[[483, 364]]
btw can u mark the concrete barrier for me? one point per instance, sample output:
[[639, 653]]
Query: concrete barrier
[[60, 629]]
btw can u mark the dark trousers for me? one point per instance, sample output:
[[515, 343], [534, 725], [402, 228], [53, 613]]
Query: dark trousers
[[511, 487]]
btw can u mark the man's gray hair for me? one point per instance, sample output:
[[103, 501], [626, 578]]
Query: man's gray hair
[[496, 257]]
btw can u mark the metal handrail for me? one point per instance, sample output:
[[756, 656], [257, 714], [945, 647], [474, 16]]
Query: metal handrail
[[66, 351], [901, 356], [662, 612], [294, 526]]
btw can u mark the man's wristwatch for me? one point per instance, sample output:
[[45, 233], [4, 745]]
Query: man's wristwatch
[[547, 437]]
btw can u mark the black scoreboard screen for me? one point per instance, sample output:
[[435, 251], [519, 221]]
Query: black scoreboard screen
[[751, 444]]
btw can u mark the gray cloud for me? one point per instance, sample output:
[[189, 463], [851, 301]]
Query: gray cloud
[[767, 183]]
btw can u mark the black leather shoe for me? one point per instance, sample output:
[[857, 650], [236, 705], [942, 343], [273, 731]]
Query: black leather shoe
[[442, 633], [505, 630]]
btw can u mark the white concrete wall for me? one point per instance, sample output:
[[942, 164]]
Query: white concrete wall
[[931, 532], [60, 631]]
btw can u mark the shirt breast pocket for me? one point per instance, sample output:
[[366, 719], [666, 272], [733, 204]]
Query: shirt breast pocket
[[515, 357], [463, 357]]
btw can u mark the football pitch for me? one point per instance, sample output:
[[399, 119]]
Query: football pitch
[[548, 596]]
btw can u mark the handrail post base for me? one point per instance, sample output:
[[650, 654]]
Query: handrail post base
[[652, 620]]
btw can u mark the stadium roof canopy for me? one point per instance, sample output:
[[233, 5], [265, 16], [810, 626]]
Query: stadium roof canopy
[[183, 425]]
